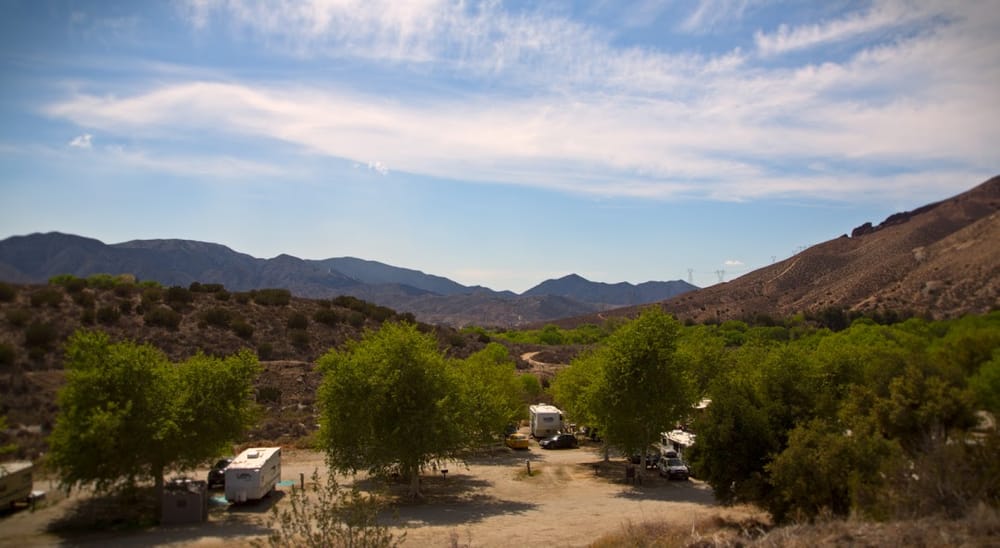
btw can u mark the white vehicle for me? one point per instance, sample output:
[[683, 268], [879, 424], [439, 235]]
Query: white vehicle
[[253, 474], [546, 420], [15, 483]]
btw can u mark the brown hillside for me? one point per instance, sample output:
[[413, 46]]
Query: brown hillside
[[941, 260]]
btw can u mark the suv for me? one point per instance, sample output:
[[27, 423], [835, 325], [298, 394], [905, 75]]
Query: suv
[[673, 468], [217, 475]]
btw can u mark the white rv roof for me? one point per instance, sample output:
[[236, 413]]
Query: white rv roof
[[253, 457], [13, 466], [544, 408]]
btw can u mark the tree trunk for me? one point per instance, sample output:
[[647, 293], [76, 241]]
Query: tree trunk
[[415, 483], [158, 489]]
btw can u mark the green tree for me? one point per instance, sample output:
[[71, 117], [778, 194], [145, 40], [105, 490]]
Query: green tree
[[985, 384], [490, 393], [128, 414], [634, 386], [389, 404]]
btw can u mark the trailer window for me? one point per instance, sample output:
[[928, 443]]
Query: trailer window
[[244, 476]]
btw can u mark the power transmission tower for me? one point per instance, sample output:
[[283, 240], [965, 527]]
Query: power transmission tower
[[774, 258], [721, 274], [691, 276]]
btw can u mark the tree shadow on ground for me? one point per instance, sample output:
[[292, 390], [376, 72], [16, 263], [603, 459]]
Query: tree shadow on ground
[[132, 519], [259, 506], [656, 488], [457, 510], [503, 457]]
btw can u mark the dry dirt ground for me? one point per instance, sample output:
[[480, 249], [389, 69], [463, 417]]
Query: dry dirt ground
[[491, 501]]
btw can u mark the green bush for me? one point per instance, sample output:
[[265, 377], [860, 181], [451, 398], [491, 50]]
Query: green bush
[[241, 328], [298, 320], [152, 294], [108, 314], [162, 316], [268, 394], [7, 293], [178, 297], [222, 296], [272, 297], [197, 287], [88, 316], [8, 355], [71, 283], [218, 317], [124, 290], [355, 318], [242, 297], [327, 316], [51, 296], [265, 351], [39, 335], [299, 338], [107, 281], [85, 299], [18, 317]]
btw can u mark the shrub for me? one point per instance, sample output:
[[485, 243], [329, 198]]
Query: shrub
[[50, 296], [299, 338], [269, 394], [7, 293], [327, 316], [7, 354], [88, 316], [71, 283], [355, 318], [124, 290], [242, 297], [241, 328], [152, 294], [178, 297], [39, 335], [222, 296], [265, 351], [107, 281], [18, 317], [298, 320], [125, 307], [196, 287], [162, 316], [108, 314], [218, 317], [272, 297], [85, 299]]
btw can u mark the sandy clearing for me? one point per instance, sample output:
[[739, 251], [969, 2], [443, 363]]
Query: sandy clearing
[[490, 501]]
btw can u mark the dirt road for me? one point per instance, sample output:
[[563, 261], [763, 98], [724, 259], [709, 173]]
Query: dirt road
[[491, 501]]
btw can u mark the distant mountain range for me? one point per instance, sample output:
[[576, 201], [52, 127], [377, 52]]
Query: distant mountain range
[[434, 299]]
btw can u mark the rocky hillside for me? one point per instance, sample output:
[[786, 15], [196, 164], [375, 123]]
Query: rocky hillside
[[941, 260]]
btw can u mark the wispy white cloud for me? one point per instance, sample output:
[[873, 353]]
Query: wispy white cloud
[[603, 120], [884, 14], [733, 262], [81, 141], [708, 14]]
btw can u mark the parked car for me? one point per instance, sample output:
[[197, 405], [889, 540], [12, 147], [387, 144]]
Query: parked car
[[673, 468], [517, 441], [652, 457], [217, 475], [559, 441]]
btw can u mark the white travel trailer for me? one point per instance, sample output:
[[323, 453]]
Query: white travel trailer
[[253, 474], [546, 420], [15, 483]]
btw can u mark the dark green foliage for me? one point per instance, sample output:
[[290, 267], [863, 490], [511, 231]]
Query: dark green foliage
[[47, 296], [8, 355], [69, 282], [367, 309], [18, 317], [196, 287], [125, 290], [551, 335], [241, 328], [272, 297], [217, 317], [355, 319], [178, 297], [125, 307], [84, 299], [268, 394], [152, 294], [327, 316], [108, 314], [40, 335], [265, 351], [162, 316], [108, 281], [299, 338], [7, 292], [88, 316], [242, 297], [297, 320], [222, 296]]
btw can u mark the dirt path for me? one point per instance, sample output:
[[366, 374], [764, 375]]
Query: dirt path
[[490, 502]]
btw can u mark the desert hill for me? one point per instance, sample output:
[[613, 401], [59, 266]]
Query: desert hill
[[941, 260]]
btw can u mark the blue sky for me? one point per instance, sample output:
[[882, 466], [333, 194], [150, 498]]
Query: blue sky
[[495, 143]]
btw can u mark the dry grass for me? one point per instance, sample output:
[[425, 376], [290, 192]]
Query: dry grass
[[980, 527]]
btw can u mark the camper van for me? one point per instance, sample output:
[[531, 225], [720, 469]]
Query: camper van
[[253, 474], [546, 420], [15, 483]]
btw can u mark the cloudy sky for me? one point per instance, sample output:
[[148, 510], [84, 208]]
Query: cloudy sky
[[496, 143]]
